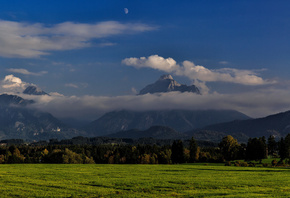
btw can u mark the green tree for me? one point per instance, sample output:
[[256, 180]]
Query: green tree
[[256, 149], [16, 156], [272, 145], [193, 150], [229, 147], [287, 146], [282, 149], [177, 155]]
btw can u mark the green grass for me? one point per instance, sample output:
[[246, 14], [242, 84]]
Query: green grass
[[188, 180]]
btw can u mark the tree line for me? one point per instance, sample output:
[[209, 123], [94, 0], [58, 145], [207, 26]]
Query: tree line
[[176, 152]]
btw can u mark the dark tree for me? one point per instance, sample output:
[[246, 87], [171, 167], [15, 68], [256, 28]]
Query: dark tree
[[272, 145], [193, 150], [282, 149], [177, 155], [242, 151], [287, 146], [256, 149]]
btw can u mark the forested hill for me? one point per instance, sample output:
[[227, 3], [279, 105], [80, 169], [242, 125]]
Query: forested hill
[[277, 124]]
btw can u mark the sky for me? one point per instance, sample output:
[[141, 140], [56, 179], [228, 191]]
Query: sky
[[94, 56]]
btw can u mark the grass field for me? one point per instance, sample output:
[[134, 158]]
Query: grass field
[[197, 180]]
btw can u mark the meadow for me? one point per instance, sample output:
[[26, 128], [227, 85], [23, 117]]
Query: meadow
[[186, 180]]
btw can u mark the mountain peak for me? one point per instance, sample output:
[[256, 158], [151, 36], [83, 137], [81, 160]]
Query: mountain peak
[[166, 76], [166, 83], [34, 90]]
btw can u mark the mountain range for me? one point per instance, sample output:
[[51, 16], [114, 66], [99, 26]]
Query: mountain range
[[18, 120], [277, 125], [179, 120]]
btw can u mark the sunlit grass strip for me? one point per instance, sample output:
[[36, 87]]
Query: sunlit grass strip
[[197, 180]]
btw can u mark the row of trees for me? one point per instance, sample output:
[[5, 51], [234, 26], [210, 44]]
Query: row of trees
[[229, 149], [255, 149]]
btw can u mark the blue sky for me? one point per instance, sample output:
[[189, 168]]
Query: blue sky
[[94, 48]]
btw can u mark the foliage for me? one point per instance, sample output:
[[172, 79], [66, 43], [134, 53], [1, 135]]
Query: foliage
[[274, 163], [237, 163], [193, 150], [256, 149], [272, 145], [112, 153], [287, 146], [244, 164], [229, 147], [177, 155]]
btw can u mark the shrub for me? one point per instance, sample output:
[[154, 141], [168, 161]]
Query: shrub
[[244, 164], [265, 165], [237, 163], [228, 163], [281, 163], [274, 163], [251, 164]]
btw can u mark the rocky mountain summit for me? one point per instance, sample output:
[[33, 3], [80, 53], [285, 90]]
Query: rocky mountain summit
[[34, 90], [166, 83]]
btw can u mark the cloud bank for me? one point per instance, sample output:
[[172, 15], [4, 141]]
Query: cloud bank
[[198, 72], [257, 103], [30, 40]]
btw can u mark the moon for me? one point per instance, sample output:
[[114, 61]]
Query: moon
[[126, 10]]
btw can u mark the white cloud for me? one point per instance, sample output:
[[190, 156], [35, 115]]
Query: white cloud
[[198, 72], [31, 40], [13, 84], [71, 85], [26, 72], [154, 61], [77, 85]]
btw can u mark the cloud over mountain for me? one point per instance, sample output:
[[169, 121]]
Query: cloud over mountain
[[13, 84], [257, 103], [30, 40], [198, 72]]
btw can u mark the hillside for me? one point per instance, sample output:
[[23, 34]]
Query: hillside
[[19, 121], [179, 120], [156, 132], [277, 124]]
